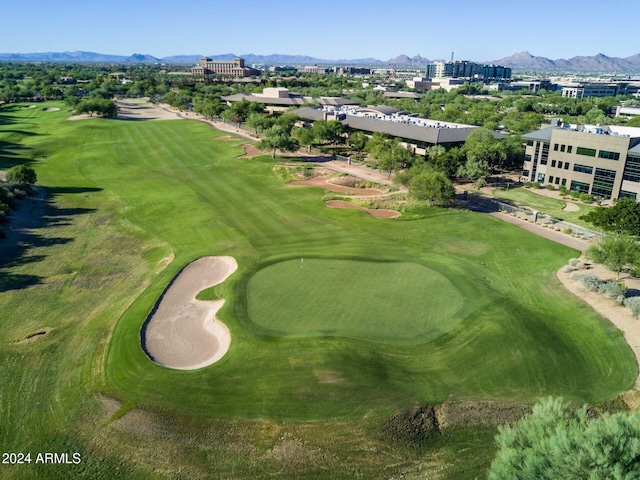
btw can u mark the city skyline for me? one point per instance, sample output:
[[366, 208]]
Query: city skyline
[[332, 29]]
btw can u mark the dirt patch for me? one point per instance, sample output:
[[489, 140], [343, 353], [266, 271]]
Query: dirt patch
[[451, 414], [420, 424], [142, 109], [182, 332], [571, 207], [323, 182], [250, 151], [617, 314], [226, 138], [33, 336], [374, 212], [136, 109]]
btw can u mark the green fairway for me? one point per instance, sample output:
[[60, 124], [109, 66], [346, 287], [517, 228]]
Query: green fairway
[[384, 301], [382, 316]]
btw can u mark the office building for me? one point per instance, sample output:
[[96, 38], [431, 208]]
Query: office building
[[593, 159]]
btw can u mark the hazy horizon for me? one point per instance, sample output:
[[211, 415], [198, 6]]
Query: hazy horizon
[[325, 29]]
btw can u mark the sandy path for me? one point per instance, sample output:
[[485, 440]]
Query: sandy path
[[323, 182], [618, 315], [374, 212], [182, 332]]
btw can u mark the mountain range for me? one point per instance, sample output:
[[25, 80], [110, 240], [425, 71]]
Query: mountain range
[[520, 61]]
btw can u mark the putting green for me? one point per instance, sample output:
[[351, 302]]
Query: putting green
[[386, 301]]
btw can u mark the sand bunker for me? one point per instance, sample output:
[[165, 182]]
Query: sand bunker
[[374, 212], [182, 332], [51, 109]]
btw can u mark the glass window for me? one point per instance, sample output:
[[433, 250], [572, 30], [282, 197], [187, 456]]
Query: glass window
[[632, 170], [555, 147], [562, 148], [553, 163], [550, 178], [582, 168], [564, 182], [609, 155], [566, 165], [579, 187], [569, 148], [603, 181], [624, 194], [558, 181], [589, 152], [541, 177]]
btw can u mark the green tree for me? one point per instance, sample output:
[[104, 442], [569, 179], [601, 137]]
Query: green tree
[[305, 136], [480, 145], [259, 122], [622, 217], [277, 138], [22, 174], [619, 253], [102, 106], [358, 141], [556, 442], [475, 170], [432, 186]]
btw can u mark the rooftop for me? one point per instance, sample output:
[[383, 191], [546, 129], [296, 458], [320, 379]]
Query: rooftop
[[384, 119]]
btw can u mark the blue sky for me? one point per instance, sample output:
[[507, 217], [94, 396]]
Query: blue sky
[[329, 29]]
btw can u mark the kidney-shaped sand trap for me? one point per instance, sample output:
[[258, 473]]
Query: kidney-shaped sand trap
[[182, 332]]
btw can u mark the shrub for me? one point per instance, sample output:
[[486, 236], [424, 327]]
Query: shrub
[[633, 304], [535, 184], [615, 289], [568, 231], [527, 185], [550, 187], [586, 198], [591, 282], [573, 262], [21, 174], [574, 193]]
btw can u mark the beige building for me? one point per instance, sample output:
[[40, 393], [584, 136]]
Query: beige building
[[231, 68], [594, 159]]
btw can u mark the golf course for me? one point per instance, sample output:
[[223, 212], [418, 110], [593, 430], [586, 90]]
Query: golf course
[[338, 320]]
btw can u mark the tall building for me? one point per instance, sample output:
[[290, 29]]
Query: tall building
[[466, 69], [594, 159], [232, 68]]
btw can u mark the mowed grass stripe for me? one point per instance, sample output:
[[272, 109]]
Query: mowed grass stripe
[[489, 354]]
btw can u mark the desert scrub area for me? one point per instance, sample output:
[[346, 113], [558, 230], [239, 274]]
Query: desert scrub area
[[130, 204]]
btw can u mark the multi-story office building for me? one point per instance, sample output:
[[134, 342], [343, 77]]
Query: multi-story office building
[[466, 69], [599, 160], [232, 68], [584, 90]]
